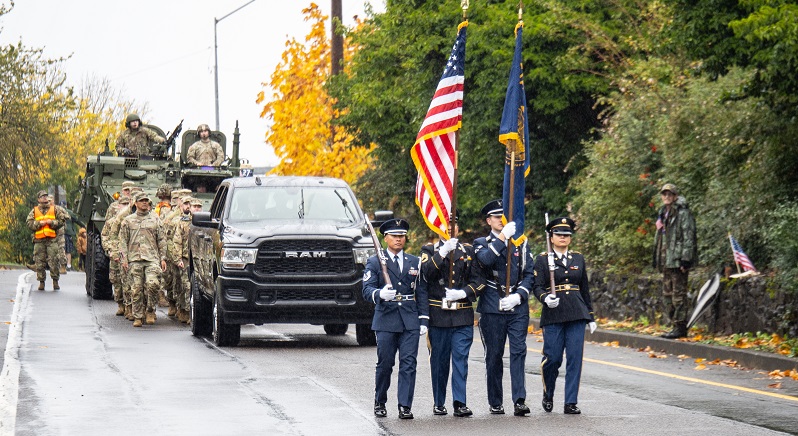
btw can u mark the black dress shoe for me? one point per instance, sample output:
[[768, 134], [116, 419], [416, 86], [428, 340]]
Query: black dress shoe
[[405, 413], [497, 410], [461, 411], [520, 409], [571, 409], [379, 410], [439, 410], [548, 405]]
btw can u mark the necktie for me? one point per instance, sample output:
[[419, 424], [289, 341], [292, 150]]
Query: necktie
[[396, 262]]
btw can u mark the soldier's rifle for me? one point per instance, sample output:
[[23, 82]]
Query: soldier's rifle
[[550, 255], [172, 138], [380, 253]]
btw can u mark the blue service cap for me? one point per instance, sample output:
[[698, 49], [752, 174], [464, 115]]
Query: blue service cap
[[493, 208], [395, 226]]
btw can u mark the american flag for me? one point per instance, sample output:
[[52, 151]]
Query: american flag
[[739, 255], [435, 151]]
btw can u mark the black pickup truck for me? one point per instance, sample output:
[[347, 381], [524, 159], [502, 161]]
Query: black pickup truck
[[280, 250]]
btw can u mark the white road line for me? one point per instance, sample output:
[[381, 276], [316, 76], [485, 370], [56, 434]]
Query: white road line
[[9, 377]]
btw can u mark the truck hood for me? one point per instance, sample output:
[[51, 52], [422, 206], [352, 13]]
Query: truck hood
[[249, 233]]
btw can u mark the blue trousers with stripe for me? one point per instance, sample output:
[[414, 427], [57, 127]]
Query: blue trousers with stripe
[[495, 330], [568, 336], [449, 344]]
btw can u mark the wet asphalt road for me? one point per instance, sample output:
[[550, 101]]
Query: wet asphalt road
[[83, 370]]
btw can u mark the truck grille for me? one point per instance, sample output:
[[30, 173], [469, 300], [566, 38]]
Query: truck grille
[[305, 256]]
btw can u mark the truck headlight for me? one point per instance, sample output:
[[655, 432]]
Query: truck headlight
[[238, 258], [363, 254]]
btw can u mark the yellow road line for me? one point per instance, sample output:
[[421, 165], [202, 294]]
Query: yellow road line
[[689, 379]]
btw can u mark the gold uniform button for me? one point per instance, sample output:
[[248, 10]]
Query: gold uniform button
[[566, 293]]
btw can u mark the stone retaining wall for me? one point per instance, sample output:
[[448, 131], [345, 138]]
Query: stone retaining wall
[[743, 305]]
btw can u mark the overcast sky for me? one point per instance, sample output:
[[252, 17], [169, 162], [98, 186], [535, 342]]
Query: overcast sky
[[161, 52]]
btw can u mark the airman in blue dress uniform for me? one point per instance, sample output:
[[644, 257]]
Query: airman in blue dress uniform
[[564, 317], [451, 323], [504, 315], [400, 316]]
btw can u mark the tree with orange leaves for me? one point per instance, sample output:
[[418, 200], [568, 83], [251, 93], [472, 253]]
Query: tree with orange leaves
[[302, 112]]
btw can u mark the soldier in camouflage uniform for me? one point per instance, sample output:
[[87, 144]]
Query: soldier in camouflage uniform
[[135, 139], [205, 152], [60, 234], [172, 285], [143, 252], [110, 239], [44, 220], [675, 252], [179, 250], [163, 209], [113, 208]]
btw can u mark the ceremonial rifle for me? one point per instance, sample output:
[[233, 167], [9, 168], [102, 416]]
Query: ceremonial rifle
[[551, 260], [380, 253]]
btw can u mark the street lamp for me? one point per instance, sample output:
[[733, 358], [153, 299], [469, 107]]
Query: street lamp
[[216, 58]]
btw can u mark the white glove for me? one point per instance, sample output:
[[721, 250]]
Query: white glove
[[422, 330], [447, 247], [455, 294], [387, 293], [510, 301], [551, 301], [592, 325], [509, 230]]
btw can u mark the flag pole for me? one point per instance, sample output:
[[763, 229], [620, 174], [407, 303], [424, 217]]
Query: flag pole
[[733, 256], [512, 189], [453, 212], [509, 218]]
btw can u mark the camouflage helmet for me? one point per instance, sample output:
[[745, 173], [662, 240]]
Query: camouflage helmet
[[130, 118], [202, 127], [164, 191]]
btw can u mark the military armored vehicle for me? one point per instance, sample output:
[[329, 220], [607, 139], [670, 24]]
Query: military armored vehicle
[[105, 173]]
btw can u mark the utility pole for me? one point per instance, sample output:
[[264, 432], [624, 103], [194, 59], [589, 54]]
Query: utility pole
[[337, 52], [216, 58]]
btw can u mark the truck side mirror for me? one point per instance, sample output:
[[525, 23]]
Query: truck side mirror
[[203, 219], [380, 216]]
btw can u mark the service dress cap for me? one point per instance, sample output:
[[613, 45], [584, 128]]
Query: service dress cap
[[561, 226], [396, 226], [669, 187], [493, 208]]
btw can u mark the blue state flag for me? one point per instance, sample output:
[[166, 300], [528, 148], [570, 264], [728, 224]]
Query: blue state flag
[[514, 134]]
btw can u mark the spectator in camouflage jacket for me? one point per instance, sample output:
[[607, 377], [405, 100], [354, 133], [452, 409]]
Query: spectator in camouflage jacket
[[675, 252]]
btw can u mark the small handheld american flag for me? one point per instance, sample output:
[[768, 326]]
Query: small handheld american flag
[[739, 255]]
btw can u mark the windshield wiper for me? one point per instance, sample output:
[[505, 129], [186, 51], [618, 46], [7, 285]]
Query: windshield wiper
[[349, 213], [301, 212]]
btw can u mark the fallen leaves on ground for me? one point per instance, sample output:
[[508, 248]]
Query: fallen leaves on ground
[[613, 344], [778, 374], [775, 385]]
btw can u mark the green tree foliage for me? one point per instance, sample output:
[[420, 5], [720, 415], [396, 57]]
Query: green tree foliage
[[725, 153], [763, 34], [393, 76]]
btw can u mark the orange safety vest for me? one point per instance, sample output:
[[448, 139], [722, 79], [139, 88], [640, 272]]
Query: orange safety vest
[[162, 204], [45, 231]]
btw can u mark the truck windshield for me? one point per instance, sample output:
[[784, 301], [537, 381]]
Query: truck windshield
[[316, 203]]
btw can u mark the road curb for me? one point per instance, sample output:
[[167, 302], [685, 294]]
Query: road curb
[[745, 358]]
